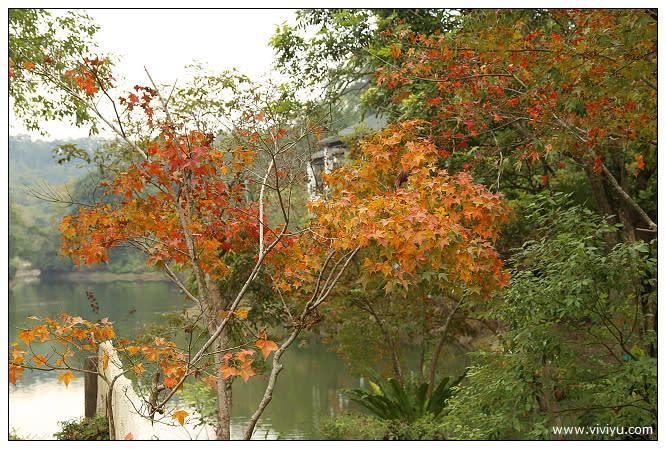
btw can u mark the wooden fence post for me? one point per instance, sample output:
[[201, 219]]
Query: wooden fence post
[[90, 386]]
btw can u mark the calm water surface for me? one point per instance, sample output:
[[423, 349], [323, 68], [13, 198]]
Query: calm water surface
[[307, 388]]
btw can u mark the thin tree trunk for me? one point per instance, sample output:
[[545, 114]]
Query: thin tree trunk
[[395, 360], [624, 212], [223, 429], [268, 393], [423, 342], [440, 344], [224, 395], [603, 206], [547, 402]]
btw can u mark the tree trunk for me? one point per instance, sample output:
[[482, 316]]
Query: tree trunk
[[547, 402], [224, 395], [397, 369], [224, 400], [440, 344], [395, 359], [604, 208]]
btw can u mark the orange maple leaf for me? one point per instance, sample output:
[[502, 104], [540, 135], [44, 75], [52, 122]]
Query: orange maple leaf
[[132, 349], [152, 354], [170, 382], [66, 377], [241, 313], [597, 164], [15, 372], [129, 436], [228, 371], [211, 381], [180, 416], [641, 164], [42, 332], [246, 371], [17, 354], [138, 369], [26, 336], [266, 347]]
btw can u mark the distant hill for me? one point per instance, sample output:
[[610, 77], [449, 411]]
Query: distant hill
[[31, 164], [31, 161], [33, 223]]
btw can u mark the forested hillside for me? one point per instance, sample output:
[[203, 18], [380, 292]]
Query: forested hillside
[[35, 175]]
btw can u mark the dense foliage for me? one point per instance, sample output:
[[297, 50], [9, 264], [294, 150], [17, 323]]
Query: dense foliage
[[41, 41]]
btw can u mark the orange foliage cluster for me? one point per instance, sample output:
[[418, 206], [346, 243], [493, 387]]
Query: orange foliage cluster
[[78, 335], [72, 333], [580, 88], [433, 222], [221, 218]]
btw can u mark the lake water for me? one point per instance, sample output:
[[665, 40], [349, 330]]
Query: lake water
[[307, 388]]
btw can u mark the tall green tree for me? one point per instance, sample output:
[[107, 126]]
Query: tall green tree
[[585, 353]]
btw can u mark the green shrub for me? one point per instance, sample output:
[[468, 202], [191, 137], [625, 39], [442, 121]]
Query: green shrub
[[426, 428], [353, 426], [96, 428]]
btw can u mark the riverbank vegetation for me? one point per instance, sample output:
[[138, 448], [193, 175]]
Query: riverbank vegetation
[[507, 198]]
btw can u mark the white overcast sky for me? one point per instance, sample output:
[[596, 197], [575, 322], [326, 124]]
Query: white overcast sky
[[166, 40]]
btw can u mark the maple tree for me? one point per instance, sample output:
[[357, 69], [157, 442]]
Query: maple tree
[[521, 97], [183, 204], [545, 96], [432, 232], [184, 198], [549, 88]]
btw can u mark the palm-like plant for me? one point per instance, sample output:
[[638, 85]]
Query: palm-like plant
[[390, 400]]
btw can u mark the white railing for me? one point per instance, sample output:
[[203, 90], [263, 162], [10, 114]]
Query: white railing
[[128, 407]]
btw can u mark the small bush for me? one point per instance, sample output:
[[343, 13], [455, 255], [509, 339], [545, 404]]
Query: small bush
[[352, 426], [425, 428], [94, 429]]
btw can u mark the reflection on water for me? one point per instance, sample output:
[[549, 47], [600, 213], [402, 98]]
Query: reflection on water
[[307, 389]]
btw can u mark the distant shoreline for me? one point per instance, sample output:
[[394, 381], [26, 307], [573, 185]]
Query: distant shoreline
[[105, 276], [33, 275]]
